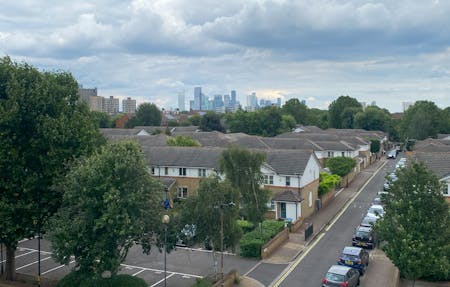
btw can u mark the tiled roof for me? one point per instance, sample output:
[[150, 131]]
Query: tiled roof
[[438, 162], [288, 196], [289, 143], [120, 132], [288, 162], [335, 145]]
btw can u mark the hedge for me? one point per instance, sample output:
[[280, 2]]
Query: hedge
[[79, 279], [252, 242], [246, 226]]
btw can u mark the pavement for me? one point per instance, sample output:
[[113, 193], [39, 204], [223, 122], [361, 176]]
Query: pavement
[[386, 273]]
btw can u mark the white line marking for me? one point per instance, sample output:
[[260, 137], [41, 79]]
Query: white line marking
[[139, 272], [42, 251], [253, 268], [162, 280], [19, 255], [24, 266], [57, 267], [205, 250], [162, 271]]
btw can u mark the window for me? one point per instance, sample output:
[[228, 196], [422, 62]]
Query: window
[[268, 179], [343, 154], [182, 192], [288, 181], [310, 199], [166, 171], [271, 205], [182, 171], [153, 170], [330, 154], [202, 172]]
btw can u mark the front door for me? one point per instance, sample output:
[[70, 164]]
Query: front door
[[283, 209]]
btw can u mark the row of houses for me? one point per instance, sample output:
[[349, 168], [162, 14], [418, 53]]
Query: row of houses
[[293, 160]]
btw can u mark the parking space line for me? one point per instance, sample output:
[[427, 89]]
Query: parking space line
[[35, 250], [24, 266], [57, 267], [162, 280], [161, 271], [139, 272], [19, 256]]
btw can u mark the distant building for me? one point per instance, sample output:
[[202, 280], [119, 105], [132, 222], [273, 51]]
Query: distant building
[[233, 98], [279, 102], [198, 99], [90, 97], [129, 106], [406, 105], [181, 101], [111, 105], [252, 102]]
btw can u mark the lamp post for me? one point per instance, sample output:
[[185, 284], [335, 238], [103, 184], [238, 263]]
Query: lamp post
[[220, 207], [165, 221]]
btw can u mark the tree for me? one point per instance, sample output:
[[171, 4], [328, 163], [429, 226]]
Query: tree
[[146, 115], [373, 119], [327, 182], [422, 120], [195, 120], [341, 165], [243, 169], [102, 120], [211, 122], [414, 231], [182, 141], [204, 211], [109, 203], [42, 128], [296, 109], [342, 111], [318, 118], [374, 146]]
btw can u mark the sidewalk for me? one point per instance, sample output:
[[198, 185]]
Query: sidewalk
[[296, 242]]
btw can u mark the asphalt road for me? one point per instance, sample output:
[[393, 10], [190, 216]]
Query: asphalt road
[[325, 252]]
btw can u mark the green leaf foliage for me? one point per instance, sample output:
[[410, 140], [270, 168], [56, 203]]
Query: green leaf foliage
[[341, 112], [252, 242], [414, 231], [182, 141], [328, 182], [204, 211], [103, 120], [375, 146], [146, 115], [245, 225], [79, 279], [243, 169], [211, 121], [43, 127], [110, 202], [422, 120], [341, 165], [372, 119]]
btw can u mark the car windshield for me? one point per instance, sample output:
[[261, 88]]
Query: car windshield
[[368, 221], [335, 277], [349, 257], [362, 234], [375, 210]]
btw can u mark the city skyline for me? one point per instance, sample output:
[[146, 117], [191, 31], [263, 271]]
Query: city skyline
[[384, 51]]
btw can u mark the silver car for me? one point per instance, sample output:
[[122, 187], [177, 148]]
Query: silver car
[[339, 275]]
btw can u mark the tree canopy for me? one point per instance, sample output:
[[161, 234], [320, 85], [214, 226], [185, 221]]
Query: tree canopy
[[296, 109], [414, 231], [43, 127], [211, 122], [182, 141], [110, 202], [373, 119], [422, 120], [146, 115], [243, 169], [341, 112], [341, 165]]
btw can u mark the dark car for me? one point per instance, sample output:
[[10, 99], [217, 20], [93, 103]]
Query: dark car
[[354, 257], [368, 221], [341, 276], [363, 237]]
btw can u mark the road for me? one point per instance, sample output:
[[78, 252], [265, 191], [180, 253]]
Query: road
[[325, 251]]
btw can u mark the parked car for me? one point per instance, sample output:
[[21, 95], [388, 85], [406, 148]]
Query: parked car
[[392, 177], [392, 154], [376, 211], [368, 221], [364, 237], [377, 200], [354, 257], [341, 276]]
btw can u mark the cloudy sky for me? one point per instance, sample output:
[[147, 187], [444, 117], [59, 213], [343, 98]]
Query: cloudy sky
[[316, 50]]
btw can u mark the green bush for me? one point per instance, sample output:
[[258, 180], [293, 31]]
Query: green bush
[[202, 282], [252, 242], [246, 226], [79, 279], [327, 182]]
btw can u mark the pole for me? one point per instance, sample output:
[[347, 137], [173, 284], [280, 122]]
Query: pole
[[1, 258], [39, 239], [221, 247], [165, 251]]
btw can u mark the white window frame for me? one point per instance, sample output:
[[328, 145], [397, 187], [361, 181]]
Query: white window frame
[[201, 172], [166, 171], [182, 171], [182, 192], [288, 181]]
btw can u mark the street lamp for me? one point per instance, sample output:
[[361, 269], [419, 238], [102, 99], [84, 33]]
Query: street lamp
[[220, 207], [165, 221]]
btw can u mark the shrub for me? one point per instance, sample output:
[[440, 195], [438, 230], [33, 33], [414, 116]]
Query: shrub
[[202, 282], [251, 247], [252, 242], [246, 226], [182, 141], [327, 182], [79, 279]]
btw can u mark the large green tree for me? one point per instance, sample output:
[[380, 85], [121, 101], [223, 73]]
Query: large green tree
[[341, 112], [103, 120], [415, 231], [211, 122], [318, 118], [422, 120], [110, 202], [341, 165], [214, 199], [373, 119], [146, 115], [296, 109], [42, 128], [243, 169]]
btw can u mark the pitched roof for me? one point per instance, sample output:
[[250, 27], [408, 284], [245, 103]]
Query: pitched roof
[[288, 196], [288, 162], [289, 143], [438, 162]]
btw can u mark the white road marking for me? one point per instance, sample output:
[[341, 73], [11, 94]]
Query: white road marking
[[35, 250], [161, 271], [205, 250], [24, 266], [139, 272], [162, 280], [56, 268]]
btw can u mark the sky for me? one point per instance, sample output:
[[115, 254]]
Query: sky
[[314, 50]]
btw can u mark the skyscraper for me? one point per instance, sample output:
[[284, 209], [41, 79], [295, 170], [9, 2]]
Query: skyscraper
[[198, 99], [111, 105], [129, 106], [181, 101], [252, 102], [233, 98]]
